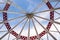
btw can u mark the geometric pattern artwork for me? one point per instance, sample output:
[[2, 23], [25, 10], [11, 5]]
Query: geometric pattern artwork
[[29, 20]]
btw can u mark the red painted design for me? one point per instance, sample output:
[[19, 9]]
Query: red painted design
[[23, 37]]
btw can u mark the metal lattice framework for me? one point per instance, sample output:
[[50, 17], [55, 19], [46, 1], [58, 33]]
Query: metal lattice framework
[[29, 17]]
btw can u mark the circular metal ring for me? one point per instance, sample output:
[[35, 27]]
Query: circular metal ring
[[23, 37]]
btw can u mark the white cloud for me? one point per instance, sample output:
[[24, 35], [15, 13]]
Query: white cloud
[[2, 0], [30, 1]]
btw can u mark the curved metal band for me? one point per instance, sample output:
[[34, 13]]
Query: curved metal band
[[49, 24], [7, 24]]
